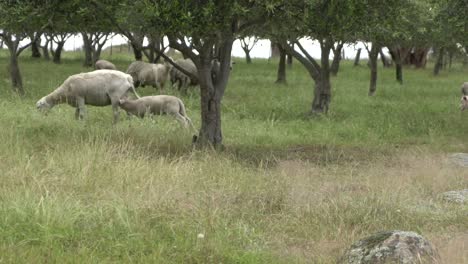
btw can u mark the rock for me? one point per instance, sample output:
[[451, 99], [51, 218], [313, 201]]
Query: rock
[[391, 247], [460, 196], [460, 159]]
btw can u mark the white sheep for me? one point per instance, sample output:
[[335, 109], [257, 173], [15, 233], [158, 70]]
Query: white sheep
[[181, 81], [97, 88], [464, 102], [157, 105], [144, 73], [103, 64], [464, 88]]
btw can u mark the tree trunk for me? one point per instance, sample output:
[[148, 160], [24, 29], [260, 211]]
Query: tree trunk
[[210, 132], [281, 76], [88, 49], [58, 53], [35, 48], [421, 57], [358, 56], [137, 52], [398, 56], [248, 59], [439, 63], [373, 54], [399, 72], [275, 52], [384, 59], [97, 53], [322, 92], [212, 92], [289, 60], [15, 74], [445, 60], [336, 59], [45, 50]]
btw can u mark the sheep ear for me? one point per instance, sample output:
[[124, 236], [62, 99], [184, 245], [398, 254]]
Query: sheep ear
[[465, 98]]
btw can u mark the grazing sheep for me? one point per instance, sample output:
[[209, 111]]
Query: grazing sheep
[[103, 64], [464, 88], [179, 79], [97, 88], [157, 105], [182, 81], [464, 102], [144, 73]]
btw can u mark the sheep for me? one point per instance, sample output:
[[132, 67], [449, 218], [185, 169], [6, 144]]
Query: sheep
[[97, 88], [181, 81], [464, 102], [157, 105], [464, 88], [144, 73], [103, 64]]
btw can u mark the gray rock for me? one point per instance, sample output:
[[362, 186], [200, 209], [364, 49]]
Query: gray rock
[[461, 159], [391, 247], [460, 196]]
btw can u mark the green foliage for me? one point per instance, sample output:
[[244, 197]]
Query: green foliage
[[22, 16]]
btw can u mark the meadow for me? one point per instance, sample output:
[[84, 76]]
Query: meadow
[[287, 188]]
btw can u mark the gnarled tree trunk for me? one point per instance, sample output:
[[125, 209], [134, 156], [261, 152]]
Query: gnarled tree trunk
[[35, 46], [358, 57], [58, 53], [45, 49], [248, 59], [87, 47], [439, 62], [322, 93], [138, 54], [12, 41], [15, 74], [399, 55], [281, 75], [212, 91], [373, 54], [336, 58]]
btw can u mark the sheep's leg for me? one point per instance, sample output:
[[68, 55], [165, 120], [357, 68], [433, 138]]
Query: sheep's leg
[[80, 109], [115, 109]]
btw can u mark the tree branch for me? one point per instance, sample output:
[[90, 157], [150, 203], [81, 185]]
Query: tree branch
[[312, 60], [313, 71]]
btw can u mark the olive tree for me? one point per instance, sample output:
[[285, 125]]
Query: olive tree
[[326, 22], [18, 19], [205, 24]]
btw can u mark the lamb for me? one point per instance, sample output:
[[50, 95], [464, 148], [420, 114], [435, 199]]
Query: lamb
[[144, 73], [464, 88], [464, 102], [97, 88], [103, 64], [157, 105]]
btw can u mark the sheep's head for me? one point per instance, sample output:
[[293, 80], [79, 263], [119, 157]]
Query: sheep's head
[[464, 102], [43, 105], [122, 101]]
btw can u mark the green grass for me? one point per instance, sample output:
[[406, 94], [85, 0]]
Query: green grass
[[288, 188]]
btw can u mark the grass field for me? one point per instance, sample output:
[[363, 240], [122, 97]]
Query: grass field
[[288, 188]]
